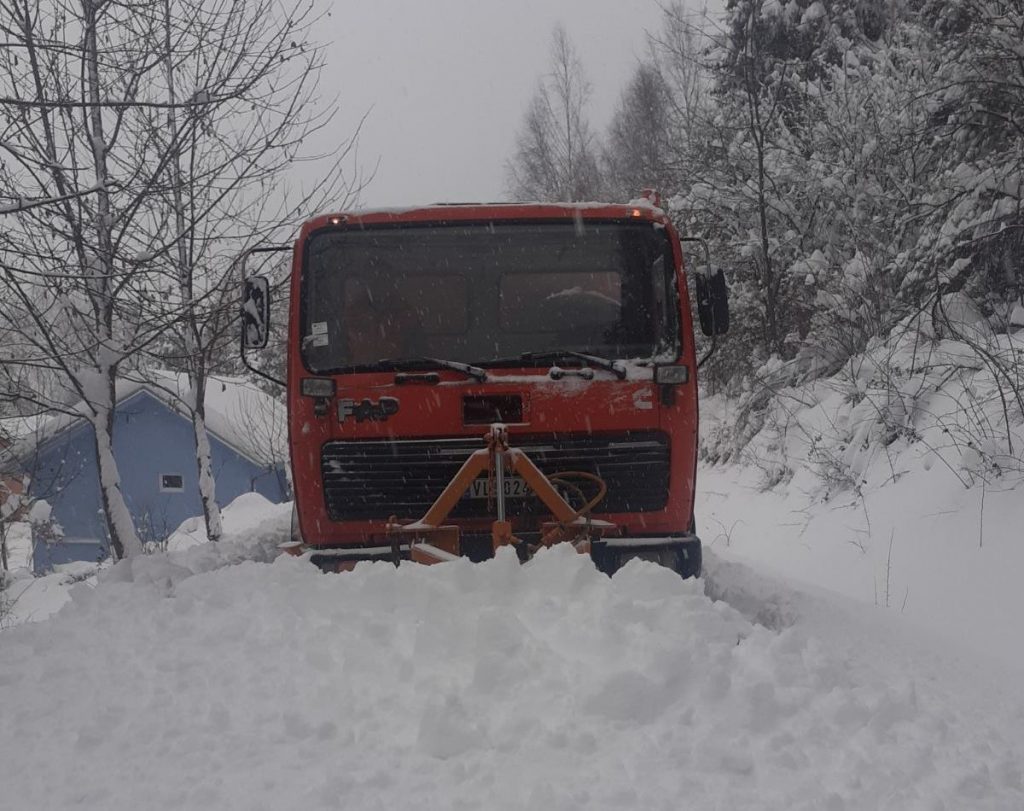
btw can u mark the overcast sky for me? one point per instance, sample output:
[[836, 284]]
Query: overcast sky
[[446, 82]]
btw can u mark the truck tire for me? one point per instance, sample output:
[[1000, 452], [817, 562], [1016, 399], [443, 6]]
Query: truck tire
[[685, 561]]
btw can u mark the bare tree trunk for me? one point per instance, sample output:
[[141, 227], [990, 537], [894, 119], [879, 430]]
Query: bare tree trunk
[[758, 131], [124, 539], [207, 484], [4, 565], [197, 369], [769, 284]]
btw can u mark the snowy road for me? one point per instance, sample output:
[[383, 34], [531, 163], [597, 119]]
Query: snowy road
[[492, 686]]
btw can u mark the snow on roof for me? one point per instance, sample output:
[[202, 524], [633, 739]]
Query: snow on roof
[[16, 429], [237, 412]]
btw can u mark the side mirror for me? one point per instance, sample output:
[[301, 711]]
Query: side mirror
[[256, 312], [712, 303]]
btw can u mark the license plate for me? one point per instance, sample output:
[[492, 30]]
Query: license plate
[[514, 487]]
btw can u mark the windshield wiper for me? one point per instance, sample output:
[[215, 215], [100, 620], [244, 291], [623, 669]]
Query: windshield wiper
[[613, 366], [467, 369]]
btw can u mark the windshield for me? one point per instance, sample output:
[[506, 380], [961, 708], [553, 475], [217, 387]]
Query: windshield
[[486, 293]]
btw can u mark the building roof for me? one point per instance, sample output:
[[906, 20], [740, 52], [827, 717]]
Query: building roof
[[239, 414]]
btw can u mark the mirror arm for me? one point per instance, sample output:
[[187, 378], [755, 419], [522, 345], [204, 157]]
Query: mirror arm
[[710, 352], [242, 260], [704, 244]]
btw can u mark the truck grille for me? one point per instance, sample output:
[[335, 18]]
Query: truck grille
[[375, 479]]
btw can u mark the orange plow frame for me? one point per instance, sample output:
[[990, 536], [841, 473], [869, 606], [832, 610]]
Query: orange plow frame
[[432, 541]]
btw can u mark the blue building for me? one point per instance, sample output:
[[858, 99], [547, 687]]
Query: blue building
[[155, 451]]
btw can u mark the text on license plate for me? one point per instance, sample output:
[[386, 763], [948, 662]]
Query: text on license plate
[[514, 487]]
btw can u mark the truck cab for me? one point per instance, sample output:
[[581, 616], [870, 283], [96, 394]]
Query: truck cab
[[412, 333]]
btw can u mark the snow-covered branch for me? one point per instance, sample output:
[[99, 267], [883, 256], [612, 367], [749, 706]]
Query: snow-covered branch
[[19, 204]]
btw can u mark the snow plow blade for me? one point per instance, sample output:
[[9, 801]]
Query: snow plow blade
[[429, 540], [681, 554]]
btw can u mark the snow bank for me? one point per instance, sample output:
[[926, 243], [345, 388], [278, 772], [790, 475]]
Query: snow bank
[[899, 482], [910, 402], [924, 547], [470, 686], [249, 520], [253, 527], [31, 599]]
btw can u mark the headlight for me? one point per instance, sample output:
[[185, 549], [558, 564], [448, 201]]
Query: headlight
[[317, 386]]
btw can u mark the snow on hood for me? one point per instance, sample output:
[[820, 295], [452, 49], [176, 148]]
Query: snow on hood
[[233, 406]]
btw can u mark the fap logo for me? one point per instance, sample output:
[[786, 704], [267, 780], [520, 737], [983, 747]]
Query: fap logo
[[367, 409]]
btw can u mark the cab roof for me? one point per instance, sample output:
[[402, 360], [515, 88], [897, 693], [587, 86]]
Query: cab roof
[[476, 212]]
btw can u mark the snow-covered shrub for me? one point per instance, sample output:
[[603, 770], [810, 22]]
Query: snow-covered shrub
[[905, 398]]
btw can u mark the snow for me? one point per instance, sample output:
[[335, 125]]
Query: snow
[[215, 680], [898, 482], [40, 512], [815, 11], [255, 526], [32, 599], [248, 517], [852, 645], [921, 548]]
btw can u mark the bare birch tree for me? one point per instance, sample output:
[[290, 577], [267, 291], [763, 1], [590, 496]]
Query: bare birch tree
[[227, 184], [638, 150], [555, 155], [112, 118], [71, 84]]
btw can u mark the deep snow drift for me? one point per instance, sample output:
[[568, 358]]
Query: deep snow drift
[[197, 680], [253, 528], [911, 548], [898, 481]]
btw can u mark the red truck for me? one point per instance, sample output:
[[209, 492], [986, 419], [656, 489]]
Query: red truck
[[463, 377]]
